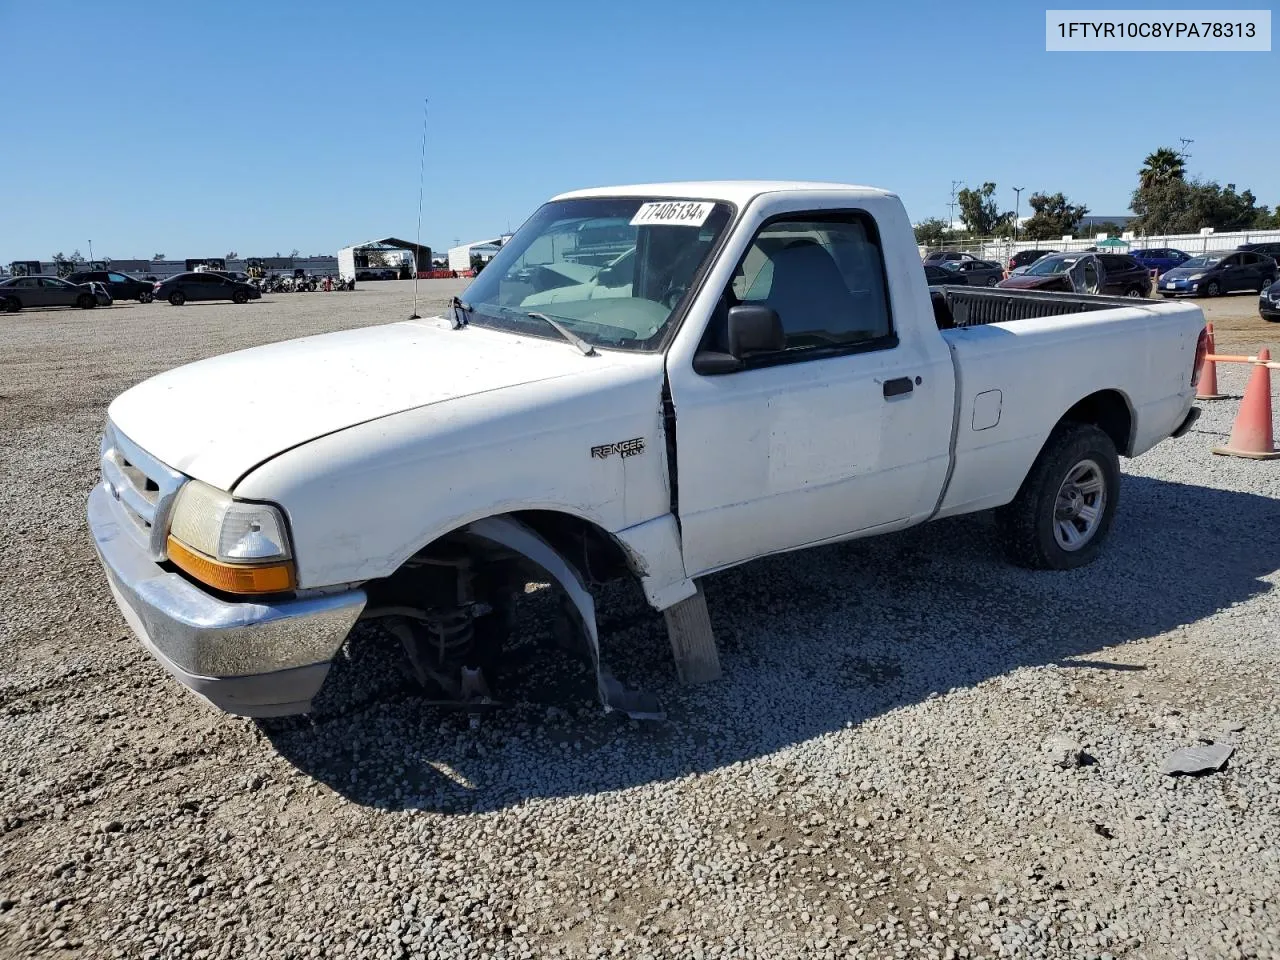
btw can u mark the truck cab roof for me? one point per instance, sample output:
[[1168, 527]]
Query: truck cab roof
[[738, 192]]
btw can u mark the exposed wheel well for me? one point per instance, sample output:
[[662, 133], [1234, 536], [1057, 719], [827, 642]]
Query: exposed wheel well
[[589, 549], [1109, 411]]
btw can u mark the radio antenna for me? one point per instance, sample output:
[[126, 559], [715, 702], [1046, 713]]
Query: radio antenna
[[417, 242]]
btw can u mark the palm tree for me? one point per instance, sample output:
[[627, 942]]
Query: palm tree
[[1160, 167]]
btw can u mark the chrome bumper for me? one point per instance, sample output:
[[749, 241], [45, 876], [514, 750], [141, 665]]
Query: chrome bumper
[[252, 659]]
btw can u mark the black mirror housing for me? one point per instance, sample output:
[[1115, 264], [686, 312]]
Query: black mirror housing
[[754, 328]]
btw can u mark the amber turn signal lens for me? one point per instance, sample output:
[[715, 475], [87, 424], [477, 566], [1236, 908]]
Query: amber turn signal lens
[[232, 578]]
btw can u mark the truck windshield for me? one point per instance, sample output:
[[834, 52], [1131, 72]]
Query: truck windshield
[[611, 269], [1050, 265]]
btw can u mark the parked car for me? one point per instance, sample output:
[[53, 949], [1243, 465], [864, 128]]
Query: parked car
[[730, 392], [941, 256], [976, 273], [205, 286], [934, 275], [1124, 275], [1211, 274], [1110, 273], [1269, 249], [1160, 258], [1269, 302], [120, 287], [1025, 258], [19, 292]]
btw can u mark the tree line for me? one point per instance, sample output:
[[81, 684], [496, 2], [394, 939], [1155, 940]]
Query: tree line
[[1165, 201]]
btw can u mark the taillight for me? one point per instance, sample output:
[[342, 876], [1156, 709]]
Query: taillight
[[1202, 351]]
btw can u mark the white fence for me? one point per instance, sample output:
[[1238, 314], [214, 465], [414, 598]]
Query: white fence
[[1192, 243]]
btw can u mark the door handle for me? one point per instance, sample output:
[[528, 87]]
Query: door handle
[[897, 387]]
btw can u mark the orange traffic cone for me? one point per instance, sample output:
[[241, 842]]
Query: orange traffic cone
[[1251, 433], [1208, 386]]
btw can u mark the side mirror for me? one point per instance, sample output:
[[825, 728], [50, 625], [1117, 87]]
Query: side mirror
[[751, 329], [754, 328]]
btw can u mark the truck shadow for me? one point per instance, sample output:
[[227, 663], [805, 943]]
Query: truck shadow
[[810, 643]]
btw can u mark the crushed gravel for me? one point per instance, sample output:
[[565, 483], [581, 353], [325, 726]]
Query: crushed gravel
[[917, 750]]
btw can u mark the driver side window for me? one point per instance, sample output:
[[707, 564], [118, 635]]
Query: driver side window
[[824, 276]]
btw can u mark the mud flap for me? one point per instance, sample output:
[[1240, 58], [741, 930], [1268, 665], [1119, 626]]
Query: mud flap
[[514, 535]]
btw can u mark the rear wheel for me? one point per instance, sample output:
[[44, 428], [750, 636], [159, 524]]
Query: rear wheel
[[1266, 284], [10, 304], [86, 301], [146, 296], [177, 298], [1064, 509], [992, 281], [1135, 292], [240, 297]]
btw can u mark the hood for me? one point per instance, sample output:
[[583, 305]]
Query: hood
[[1181, 273], [217, 419], [1027, 281]]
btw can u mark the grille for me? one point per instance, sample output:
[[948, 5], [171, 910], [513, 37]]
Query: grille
[[142, 486]]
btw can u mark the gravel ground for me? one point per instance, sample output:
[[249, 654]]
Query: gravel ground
[[880, 774], [1237, 325]]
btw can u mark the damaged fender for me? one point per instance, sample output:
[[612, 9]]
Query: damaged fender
[[514, 535]]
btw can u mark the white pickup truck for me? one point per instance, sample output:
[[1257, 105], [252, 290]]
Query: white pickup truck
[[656, 382]]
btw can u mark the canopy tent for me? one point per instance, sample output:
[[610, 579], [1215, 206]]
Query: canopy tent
[[1112, 243], [356, 256]]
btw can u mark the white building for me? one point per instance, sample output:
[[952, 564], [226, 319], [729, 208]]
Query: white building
[[486, 250]]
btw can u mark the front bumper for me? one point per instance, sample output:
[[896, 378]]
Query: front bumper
[[255, 659], [1269, 309], [1173, 288]]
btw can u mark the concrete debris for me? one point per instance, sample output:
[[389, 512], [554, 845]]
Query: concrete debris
[[1064, 752], [1192, 760]]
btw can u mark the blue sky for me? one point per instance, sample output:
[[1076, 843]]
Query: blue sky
[[196, 129]]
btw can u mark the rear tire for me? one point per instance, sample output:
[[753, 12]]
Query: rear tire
[[240, 297], [1063, 512], [146, 297], [86, 301], [10, 305], [992, 281], [1135, 292], [177, 298]]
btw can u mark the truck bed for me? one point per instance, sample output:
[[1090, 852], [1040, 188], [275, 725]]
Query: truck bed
[[1023, 359], [960, 306]]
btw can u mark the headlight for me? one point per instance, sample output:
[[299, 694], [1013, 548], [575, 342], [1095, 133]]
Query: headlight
[[229, 544], [1195, 276]]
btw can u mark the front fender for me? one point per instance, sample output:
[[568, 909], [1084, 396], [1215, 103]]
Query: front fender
[[513, 535]]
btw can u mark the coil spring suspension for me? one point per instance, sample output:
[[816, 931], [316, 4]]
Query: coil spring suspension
[[452, 634]]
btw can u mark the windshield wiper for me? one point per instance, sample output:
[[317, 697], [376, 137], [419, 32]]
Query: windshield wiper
[[587, 349]]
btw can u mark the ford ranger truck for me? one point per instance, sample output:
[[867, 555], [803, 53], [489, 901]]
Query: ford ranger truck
[[656, 382]]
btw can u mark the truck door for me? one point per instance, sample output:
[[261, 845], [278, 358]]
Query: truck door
[[845, 429]]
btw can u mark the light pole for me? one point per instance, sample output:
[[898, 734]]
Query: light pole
[[1017, 206], [90, 254]]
